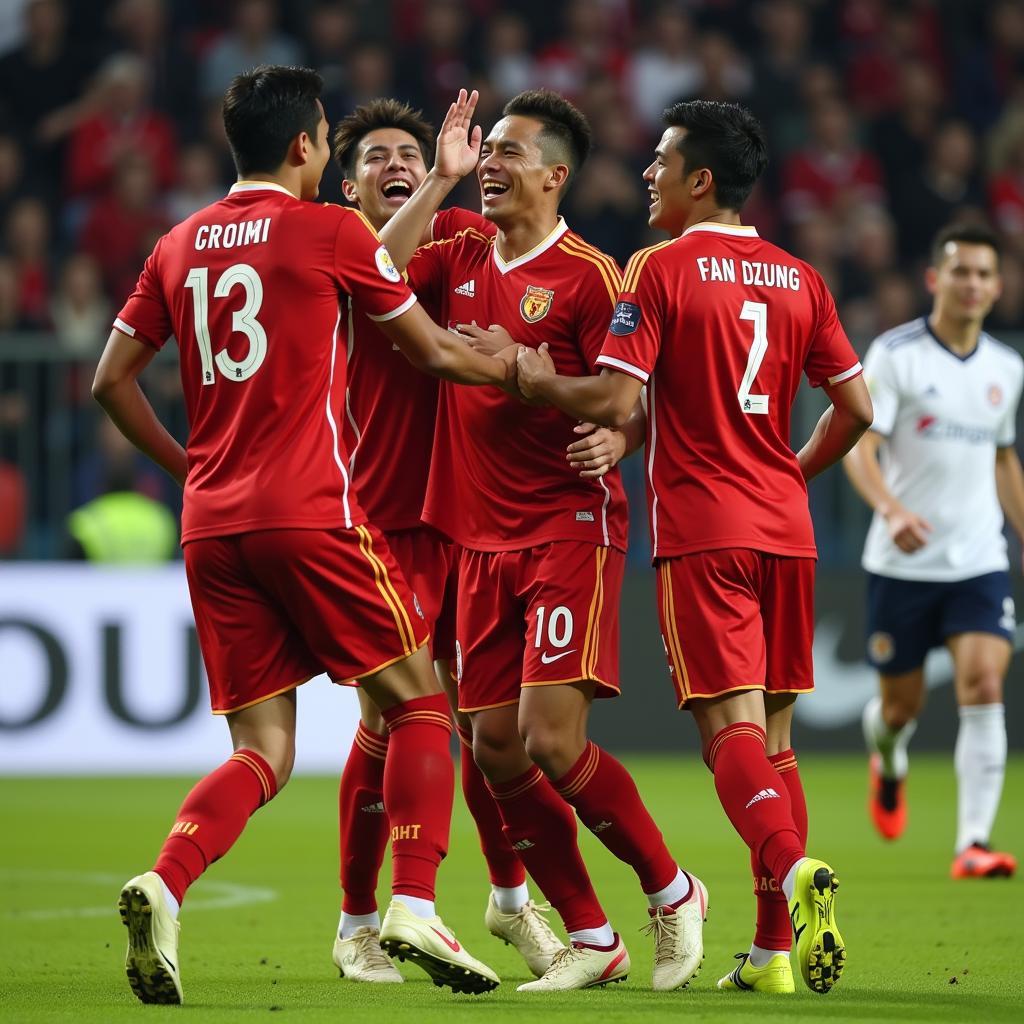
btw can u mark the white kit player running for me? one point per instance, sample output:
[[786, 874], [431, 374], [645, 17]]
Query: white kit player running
[[939, 469]]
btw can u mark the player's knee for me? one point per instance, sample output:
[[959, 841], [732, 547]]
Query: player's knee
[[549, 747], [983, 686], [899, 709], [281, 758], [493, 750]]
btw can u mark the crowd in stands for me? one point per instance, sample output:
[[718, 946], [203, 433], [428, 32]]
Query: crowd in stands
[[886, 119]]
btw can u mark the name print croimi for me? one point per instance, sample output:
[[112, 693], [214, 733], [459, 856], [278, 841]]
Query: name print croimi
[[752, 272], [228, 236]]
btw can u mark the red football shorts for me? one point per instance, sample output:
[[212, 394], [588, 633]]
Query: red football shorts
[[537, 617], [275, 607], [429, 563], [737, 619]]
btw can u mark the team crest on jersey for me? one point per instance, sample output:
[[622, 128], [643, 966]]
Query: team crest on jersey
[[881, 647], [386, 266], [995, 394], [536, 303]]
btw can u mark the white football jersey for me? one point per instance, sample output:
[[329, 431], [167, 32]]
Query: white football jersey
[[942, 416]]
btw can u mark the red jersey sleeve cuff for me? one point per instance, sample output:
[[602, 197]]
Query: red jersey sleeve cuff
[[403, 308], [126, 328], [623, 367], [846, 375]]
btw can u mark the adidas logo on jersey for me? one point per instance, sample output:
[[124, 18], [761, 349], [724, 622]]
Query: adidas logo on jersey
[[468, 289], [377, 808], [764, 794], [523, 844], [601, 826]]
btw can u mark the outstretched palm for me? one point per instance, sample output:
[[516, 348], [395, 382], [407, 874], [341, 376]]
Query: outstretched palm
[[458, 147]]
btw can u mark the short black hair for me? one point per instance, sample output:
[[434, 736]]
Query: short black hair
[[969, 233], [565, 132], [379, 113], [264, 109], [726, 139]]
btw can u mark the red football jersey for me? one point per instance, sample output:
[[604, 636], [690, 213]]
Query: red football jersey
[[722, 324], [254, 288], [499, 479], [391, 409]]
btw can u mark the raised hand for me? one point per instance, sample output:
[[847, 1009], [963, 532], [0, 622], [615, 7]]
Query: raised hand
[[458, 145], [601, 450]]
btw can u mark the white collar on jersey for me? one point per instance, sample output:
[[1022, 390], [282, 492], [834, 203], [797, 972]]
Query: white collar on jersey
[[259, 186], [559, 229], [742, 230]]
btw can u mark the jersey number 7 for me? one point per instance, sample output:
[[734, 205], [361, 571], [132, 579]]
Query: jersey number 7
[[757, 312]]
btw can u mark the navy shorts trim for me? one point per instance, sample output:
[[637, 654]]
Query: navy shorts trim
[[907, 618]]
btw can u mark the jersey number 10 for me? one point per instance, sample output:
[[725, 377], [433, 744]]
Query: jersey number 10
[[243, 320], [758, 313]]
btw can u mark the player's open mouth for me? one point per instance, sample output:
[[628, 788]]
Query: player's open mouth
[[396, 188], [491, 189], [653, 196]]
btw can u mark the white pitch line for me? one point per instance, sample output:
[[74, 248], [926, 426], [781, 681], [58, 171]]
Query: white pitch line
[[215, 895]]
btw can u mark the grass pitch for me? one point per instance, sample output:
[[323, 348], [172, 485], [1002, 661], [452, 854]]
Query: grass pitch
[[257, 930]]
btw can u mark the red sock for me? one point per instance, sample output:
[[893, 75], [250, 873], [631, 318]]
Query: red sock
[[212, 818], [754, 796], [362, 821], [503, 863], [542, 830], [418, 783], [606, 799], [773, 930]]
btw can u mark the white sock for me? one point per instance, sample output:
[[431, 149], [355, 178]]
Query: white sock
[[510, 900], [420, 907], [759, 956], [890, 745], [675, 892], [603, 936], [980, 760], [173, 906], [789, 882], [351, 923]]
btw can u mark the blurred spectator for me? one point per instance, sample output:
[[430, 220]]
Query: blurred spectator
[[1008, 312], [605, 207], [121, 526], [371, 74], [123, 126], [589, 47], [871, 253], [433, 68], [253, 40], [901, 137], [11, 169], [782, 54], [724, 72], [27, 241], [896, 34], [329, 40], [833, 172], [509, 63], [897, 300], [115, 457], [42, 90], [991, 68], [1006, 186], [10, 308], [123, 226], [80, 311], [945, 189], [199, 183], [143, 27], [816, 240], [666, 69]]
